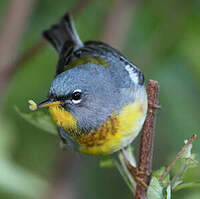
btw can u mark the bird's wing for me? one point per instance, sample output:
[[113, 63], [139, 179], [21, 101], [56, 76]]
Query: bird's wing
[[101, 47], [115, 58]]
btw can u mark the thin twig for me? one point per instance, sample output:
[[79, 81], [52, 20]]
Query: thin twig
[[147, 138], [123, 160], [171, 165], [133, 170]]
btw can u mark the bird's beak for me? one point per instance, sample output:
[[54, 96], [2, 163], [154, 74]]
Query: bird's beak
[[47, 103]]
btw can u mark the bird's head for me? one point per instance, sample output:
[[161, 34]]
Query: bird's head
[[82, 97]]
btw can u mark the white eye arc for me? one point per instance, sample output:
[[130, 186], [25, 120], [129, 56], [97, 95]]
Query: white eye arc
[[76, 96], [76, 101], [77, 90]]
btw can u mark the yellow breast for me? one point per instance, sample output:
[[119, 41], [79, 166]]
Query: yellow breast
[[117, 132], [113, 134]]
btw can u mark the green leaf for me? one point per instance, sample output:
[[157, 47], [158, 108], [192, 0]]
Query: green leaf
[[40, 120], [155, 189], [186, 161], [158, 174], [187, 185], [159, 189], [167, 192]]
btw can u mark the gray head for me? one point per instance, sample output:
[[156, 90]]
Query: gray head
[[88, 93]]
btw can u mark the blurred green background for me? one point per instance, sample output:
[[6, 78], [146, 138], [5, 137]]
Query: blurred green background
[[162, 37]]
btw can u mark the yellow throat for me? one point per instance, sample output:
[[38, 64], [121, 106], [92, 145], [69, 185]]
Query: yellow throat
[[63, 118]]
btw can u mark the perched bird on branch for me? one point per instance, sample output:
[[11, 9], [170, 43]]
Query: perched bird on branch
[[98, 98]]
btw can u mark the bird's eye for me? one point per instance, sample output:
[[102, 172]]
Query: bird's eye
[[76, 96]]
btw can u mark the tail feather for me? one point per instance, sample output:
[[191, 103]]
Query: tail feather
[[63, 32]]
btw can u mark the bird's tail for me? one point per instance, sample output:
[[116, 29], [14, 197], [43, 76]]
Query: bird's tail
[[63, 32]]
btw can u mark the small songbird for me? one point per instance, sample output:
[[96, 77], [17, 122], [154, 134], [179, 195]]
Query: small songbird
[[98, 98]]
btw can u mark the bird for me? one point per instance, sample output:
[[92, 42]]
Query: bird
[[97, 98]]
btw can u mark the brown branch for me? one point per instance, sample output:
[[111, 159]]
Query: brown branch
[[171, 165], [147, 138]]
